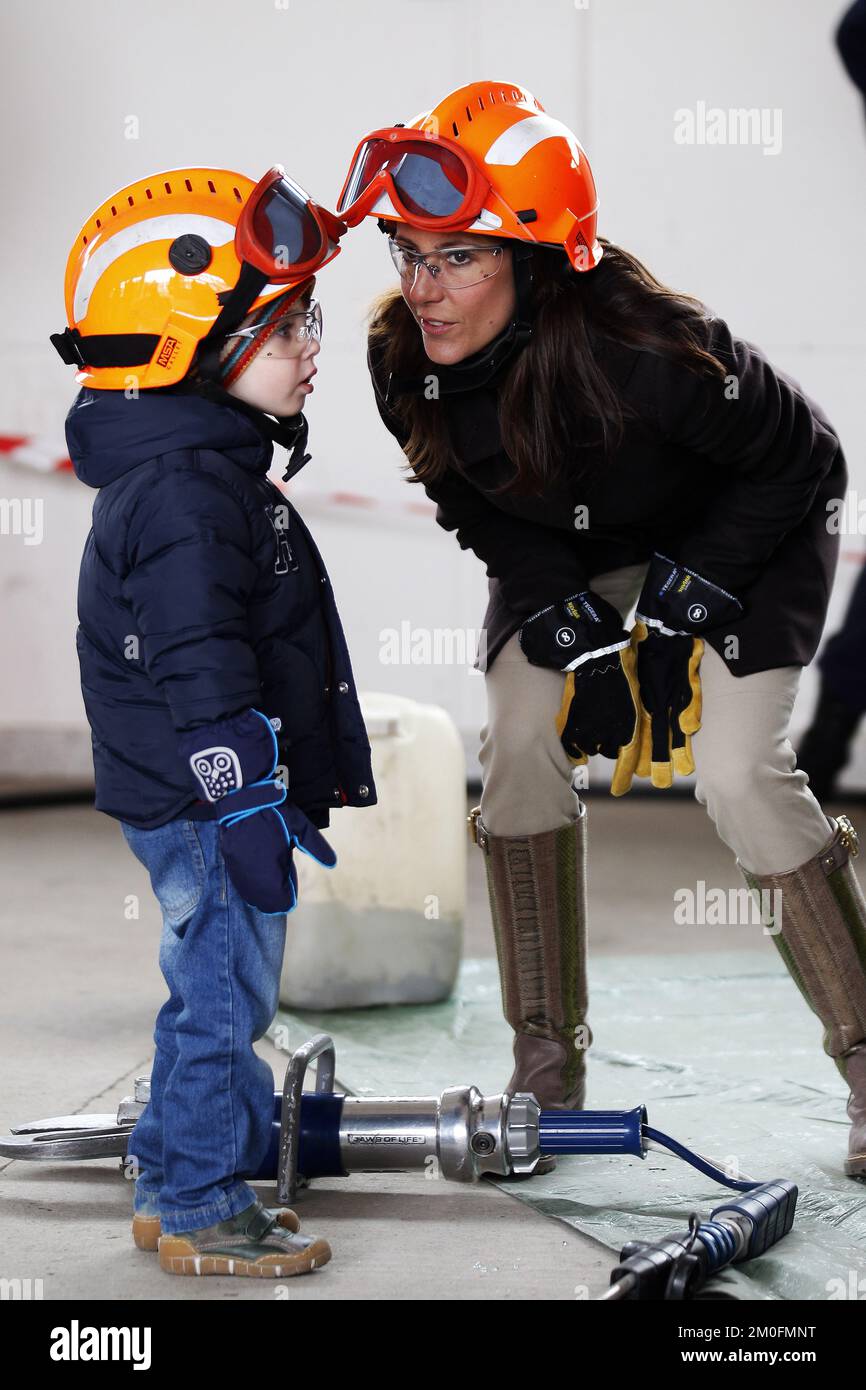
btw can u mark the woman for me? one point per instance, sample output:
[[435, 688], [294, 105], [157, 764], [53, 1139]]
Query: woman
[[596, 438]]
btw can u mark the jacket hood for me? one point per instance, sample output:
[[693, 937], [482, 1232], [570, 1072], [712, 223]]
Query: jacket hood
[[108, 434]]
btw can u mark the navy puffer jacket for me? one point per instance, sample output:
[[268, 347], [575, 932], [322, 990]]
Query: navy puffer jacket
[[202, 594]]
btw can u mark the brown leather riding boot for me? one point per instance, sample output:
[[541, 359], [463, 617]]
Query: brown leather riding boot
[[822, 940], [537, 889]]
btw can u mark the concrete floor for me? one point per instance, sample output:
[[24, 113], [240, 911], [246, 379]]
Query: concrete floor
[[80, 990]]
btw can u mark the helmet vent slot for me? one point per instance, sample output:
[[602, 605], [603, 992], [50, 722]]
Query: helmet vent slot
[[188, 185], [167, 187], [211, 185]]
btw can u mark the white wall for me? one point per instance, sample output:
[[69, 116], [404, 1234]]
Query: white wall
[[772, 241]]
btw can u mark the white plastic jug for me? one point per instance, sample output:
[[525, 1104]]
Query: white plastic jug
[[385, 925]]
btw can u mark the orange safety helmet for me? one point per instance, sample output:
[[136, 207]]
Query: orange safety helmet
[[487, 159], [182, 257]]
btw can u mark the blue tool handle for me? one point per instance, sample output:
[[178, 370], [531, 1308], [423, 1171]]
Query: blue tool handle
[[592, 1131], [770, 1209]]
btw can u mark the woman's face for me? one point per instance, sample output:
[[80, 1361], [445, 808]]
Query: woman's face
[[457, 322], [279, 378]]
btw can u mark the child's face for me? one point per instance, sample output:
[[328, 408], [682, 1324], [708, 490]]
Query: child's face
[[279, 378]]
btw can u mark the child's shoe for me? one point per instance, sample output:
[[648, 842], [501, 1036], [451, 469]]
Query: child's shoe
[[251, 1243], [146, 1230]]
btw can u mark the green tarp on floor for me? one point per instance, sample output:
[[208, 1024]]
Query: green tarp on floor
[[726, 1057]]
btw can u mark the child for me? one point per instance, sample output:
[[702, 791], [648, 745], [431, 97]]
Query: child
[[224, 717]]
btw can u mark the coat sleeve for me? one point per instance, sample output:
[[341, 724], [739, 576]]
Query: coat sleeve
[[759, 427], [535, 565], [190, 577]]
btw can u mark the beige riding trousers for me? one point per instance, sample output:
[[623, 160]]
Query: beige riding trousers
[[745, 766]]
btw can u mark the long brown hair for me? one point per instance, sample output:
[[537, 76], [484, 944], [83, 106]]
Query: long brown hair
[[555, 392]]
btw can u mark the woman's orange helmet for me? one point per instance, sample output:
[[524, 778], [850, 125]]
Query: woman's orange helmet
[[488, 159], [181, 257]]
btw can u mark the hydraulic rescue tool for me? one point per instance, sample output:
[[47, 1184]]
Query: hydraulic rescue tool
[[462, 1136]]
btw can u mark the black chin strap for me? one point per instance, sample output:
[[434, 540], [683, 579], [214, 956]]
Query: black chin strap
[[482, 366], [299, 428], [236, 304]]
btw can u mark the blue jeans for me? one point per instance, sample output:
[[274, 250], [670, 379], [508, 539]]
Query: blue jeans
[[211, 1097]]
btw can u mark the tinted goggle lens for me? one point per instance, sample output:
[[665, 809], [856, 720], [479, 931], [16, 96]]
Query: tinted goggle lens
[[429, 180], [285, 229]]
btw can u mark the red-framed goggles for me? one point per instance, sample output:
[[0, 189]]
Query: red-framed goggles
[[428, 178], [282, 232]]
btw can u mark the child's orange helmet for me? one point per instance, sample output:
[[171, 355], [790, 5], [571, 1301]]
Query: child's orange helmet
[[488, 159], [181, 257]]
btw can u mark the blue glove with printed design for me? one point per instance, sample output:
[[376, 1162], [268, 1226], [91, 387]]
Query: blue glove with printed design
[[234, 761]]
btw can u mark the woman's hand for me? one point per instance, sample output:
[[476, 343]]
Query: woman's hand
[[670, 696], [600, 712], [675, 605]]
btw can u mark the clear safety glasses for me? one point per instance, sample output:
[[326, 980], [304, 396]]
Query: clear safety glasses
[[428, 179], [282, 232], [293, 331], [452, 267]]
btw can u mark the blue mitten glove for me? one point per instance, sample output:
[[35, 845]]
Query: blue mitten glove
[[234, 762]]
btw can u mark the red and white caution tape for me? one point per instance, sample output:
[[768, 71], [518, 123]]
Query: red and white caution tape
[[43, 454], [35, 451]]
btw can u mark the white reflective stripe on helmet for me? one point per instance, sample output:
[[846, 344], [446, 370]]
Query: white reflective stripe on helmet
[[513, 143], [486, 221], [267, 291], [215, 231]]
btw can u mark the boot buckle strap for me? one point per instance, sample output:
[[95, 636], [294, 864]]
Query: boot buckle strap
[[850, 838], [477, 829], [845, 842]]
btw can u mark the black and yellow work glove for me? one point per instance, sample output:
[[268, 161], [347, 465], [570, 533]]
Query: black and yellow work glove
[[600, 712], [670, 695], [674, 606]]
